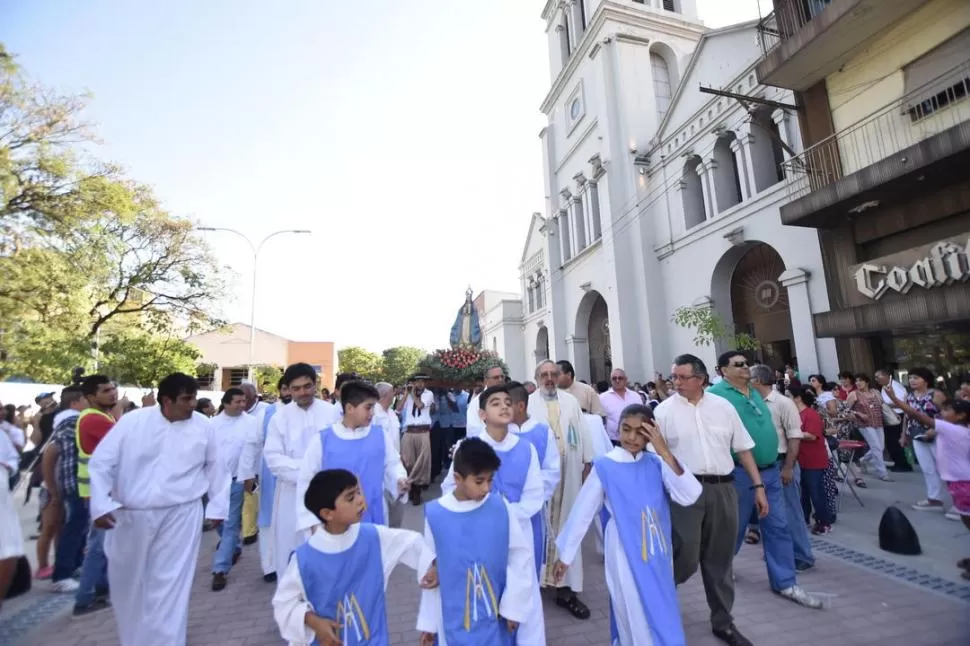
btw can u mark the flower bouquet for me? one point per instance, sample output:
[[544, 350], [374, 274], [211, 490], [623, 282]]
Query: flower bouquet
[[458, 366]]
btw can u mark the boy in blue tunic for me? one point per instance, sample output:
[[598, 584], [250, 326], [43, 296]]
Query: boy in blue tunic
[[363, 448], [482, 556], [634, 484], [333, 589]]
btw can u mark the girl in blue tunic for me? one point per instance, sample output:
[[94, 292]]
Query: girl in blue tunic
[[634, 484], [333, 589], [483, 559]]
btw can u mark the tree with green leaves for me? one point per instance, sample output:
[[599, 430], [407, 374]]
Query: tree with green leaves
[[710, 328], [365, 363], [399, 363]]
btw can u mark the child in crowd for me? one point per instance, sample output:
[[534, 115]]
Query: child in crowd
[[542, 439], [333, 589], [518, 480], [482, 556], [634, 485], [813, 459], [361, 448], [952, 438]]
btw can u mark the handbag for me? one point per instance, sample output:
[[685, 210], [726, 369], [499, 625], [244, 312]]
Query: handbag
[[889, 416]]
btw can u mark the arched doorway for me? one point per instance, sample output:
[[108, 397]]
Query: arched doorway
[[542, 344], [593, 322], [759, 304]]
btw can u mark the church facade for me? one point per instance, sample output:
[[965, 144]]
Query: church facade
[[659, 196]]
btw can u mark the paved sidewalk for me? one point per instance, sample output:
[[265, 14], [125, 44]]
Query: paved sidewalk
[[869, 607]]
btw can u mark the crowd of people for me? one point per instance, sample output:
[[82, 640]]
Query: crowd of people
[[674, 477]]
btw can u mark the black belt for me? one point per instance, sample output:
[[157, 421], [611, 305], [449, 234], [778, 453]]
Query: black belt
[[715, 479], [765, 467]]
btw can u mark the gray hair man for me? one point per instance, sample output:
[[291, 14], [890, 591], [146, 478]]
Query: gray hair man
[[494, 376], [564, 416], [788, 425], [386, 418]]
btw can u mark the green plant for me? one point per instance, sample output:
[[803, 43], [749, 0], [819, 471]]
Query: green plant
[[709, 328]]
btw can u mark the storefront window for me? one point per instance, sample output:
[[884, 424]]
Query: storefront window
[[946, 352]]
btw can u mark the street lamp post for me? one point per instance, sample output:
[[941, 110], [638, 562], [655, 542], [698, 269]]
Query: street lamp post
[[255, 248]]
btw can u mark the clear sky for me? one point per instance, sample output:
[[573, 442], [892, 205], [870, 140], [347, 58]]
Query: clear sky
[[403, 134]]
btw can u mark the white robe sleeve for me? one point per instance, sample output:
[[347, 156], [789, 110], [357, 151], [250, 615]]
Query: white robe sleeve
[[448, 484], [290, 607], [274, 452], [252, 444], [429, 608], [516, 602], [551, 466], [684, 489], [220, 480], [103, 469], [586, 506], [533, 492], [309, 467], [406, 547], [393, 468]]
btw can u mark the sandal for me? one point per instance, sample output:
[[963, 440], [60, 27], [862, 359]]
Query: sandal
[[574, 606], [753, 537], [859, 482]]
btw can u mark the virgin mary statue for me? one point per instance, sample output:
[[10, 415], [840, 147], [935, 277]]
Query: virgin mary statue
[[466, 331]]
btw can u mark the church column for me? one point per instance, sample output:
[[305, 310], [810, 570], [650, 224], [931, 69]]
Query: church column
[[565, 240], [802, 324], [738, 151], [780, 117], [746, 138], [578, 349], [706, 187]]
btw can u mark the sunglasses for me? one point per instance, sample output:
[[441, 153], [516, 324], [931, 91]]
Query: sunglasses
[[741, 364]]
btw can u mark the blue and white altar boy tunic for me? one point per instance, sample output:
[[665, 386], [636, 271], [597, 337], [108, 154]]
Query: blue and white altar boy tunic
[[344, 577], [541, 437], [480, 563], [368, 453], [519, 481], [639, 551], [601, 446], [267, 494]]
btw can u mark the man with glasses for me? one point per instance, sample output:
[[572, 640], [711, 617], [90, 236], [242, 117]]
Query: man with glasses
[[614, 400], [705, 434], [562, 413], [754, 413]]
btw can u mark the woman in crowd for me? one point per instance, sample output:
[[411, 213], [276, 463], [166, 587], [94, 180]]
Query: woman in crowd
[[929, 401], [866, 404]]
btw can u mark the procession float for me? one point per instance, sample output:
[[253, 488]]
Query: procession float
[[464, 363]]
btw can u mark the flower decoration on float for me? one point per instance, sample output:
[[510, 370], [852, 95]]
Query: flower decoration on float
[[459, 366]]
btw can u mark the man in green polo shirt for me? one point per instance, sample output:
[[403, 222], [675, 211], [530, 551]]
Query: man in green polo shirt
[[754, 414]]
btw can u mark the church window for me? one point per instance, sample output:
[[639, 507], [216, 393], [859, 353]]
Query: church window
[[661, 83], [669, 5]]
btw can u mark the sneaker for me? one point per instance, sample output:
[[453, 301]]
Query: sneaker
[[821, 529], [218, 581], [926, 505], [44, 573], [65, 586], [95, 606], [886, 478], [802, 598], [951, 514]]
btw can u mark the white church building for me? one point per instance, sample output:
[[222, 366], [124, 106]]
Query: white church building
[[660, 196]]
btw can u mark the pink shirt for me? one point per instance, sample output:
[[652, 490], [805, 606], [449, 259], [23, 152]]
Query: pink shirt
[[613, 405], [952, 451]]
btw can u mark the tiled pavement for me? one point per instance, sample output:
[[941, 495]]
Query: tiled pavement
[[868, 608]]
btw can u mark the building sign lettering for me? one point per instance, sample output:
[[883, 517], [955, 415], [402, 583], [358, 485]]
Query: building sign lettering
[[945, 263]]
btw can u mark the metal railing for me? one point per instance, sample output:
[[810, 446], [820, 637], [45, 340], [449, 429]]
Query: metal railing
[[786, 20], [936, 106]]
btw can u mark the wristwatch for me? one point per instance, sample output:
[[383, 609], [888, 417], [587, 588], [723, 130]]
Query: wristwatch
[[760, 485]]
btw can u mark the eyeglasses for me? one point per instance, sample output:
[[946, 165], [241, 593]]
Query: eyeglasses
[[618, 378], [739, 364]]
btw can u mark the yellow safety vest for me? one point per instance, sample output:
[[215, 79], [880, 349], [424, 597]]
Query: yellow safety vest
[[83, 477]]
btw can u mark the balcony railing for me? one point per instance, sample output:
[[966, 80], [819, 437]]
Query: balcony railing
[[932, 108], [784, 22]]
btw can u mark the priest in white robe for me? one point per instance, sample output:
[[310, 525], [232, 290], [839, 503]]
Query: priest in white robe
[[289, 434], [562, 412], [148, 476]]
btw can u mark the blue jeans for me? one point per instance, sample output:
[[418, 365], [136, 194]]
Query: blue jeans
[[230, 539], [795, 517], [94, 572], [70, 546], [813, 495], [775, 536]]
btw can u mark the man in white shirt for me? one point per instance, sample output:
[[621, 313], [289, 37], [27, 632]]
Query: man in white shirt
[[701, 430], [893, 431], [386, 418], [494, 376], [289, 432], [788, 425], [415, 410], [148, 476], [614, 400], [240, 443]]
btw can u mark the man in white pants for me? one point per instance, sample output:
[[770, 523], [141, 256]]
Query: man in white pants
[[148, 476]]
